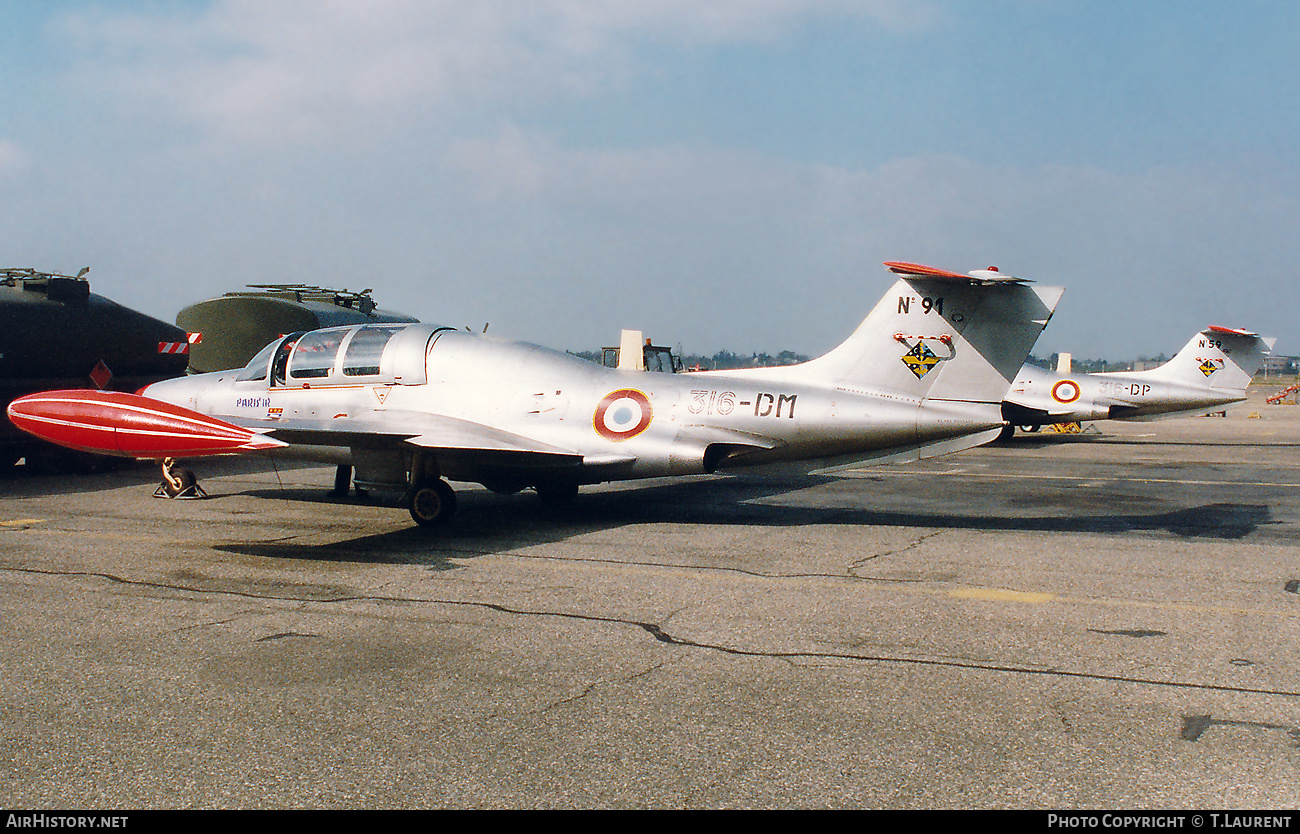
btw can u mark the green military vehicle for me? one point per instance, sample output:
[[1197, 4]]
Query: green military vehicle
[[230, 330], [54, 334]]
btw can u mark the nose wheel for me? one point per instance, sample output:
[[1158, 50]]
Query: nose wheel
[[432, 504], [178, 483]]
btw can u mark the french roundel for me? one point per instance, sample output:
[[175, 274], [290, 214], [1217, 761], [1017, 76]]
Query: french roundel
[[622, 414], [1066, 391]]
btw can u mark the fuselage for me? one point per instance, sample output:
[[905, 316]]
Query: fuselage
[[413, 406], [623, 424], [1049, 396], [1211, 371]]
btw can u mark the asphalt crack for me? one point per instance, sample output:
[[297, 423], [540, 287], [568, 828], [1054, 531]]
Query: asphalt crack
[[586, 691], [641, 563], [659, 634], [911, 545]]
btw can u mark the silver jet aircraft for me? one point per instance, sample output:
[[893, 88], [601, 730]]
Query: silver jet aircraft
[[413, 406], [1212, 371]]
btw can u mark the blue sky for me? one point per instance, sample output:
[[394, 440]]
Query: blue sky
[[722, 175]]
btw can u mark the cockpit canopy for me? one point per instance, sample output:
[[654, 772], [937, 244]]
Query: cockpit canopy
[[370, 353]]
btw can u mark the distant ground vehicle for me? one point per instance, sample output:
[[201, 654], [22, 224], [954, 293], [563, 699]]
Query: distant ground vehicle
[[233, 328], [56, 333], [653, 357]]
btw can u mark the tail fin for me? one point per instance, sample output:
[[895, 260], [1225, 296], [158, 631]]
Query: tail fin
[[941, 336], [1217, 358]]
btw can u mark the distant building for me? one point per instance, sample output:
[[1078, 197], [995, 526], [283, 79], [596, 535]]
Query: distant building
[[1280, 365]]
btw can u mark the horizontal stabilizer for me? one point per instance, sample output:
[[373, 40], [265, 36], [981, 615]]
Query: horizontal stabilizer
[[1214, 328], [908, 454], [978, 276]]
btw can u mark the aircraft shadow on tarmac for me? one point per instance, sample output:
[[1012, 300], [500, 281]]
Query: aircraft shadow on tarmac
[[23, 481], [488, 523], [1052, 439]]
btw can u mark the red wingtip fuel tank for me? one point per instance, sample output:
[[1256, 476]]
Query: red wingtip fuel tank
[[129, 425]]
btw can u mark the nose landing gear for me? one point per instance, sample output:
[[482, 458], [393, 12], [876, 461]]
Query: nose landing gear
[[178, 483]]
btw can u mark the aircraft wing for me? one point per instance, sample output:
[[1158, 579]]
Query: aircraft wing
[[431, 432], [1019, 413]]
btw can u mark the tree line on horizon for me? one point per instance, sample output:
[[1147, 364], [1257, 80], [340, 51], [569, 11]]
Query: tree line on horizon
[[726, 360], [723, 360]]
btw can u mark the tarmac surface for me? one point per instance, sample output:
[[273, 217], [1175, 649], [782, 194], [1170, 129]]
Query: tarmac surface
[[1098, 620]]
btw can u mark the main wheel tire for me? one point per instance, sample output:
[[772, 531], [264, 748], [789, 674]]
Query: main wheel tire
[[432, 505]]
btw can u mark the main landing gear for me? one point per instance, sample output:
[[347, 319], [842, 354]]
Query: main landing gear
[[432, 503], [1009, 430]]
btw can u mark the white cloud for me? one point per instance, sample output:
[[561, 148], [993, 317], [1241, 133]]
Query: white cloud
[[565, 244], [711, 248], [1145, 257], [268, 73]]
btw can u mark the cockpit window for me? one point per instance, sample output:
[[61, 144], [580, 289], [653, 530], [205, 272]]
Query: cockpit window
[[314, 356], [367, 346], [258, 366], [281, 361]]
